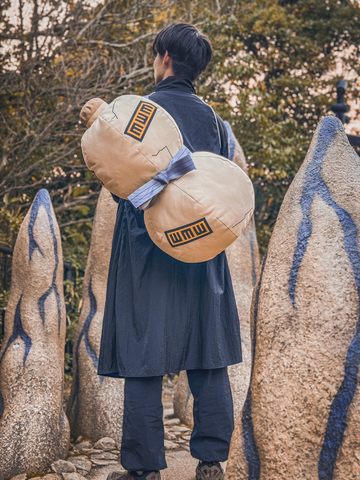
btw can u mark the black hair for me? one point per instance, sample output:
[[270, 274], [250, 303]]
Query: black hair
[[189, 49]]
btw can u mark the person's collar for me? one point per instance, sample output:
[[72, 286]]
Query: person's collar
[[179, 84]]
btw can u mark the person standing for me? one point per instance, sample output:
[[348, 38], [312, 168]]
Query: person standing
[[163, 315]]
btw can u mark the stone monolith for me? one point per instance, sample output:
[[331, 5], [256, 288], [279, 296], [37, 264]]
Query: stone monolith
[[34, 430], [301, 418], [243, 259], [96, 403]]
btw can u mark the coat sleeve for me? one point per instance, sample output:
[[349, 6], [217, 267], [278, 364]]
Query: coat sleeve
[[224, 147]]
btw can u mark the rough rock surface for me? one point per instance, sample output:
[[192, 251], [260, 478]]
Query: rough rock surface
[[22, 476], [180, 463], [83, 446], [183, 401], [243, 259], [72, 476], [96, 403], [62, 466], [301, 417], [34, 430], [81, 463], [106, 444]]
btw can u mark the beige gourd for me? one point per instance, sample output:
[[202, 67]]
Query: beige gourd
[[198, 215]]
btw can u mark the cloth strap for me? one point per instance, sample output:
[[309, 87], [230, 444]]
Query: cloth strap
[[180, 164]]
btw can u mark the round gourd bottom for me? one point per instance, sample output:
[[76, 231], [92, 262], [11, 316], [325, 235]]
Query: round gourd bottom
[[201, 238], [200, 214]]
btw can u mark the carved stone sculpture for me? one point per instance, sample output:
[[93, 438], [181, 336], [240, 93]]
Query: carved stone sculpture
[[34, 430], [96, 403], [301, 418], [243, 259]]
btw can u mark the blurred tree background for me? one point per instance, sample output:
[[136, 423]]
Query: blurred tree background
[[272, 77]]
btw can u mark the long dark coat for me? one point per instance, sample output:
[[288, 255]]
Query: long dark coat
[[163, 315]]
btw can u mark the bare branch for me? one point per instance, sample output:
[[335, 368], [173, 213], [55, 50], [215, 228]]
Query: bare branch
[[75, 222], [123, 45], [96, 19], [83, 200]]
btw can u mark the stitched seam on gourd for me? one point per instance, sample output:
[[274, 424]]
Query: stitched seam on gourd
[[236, 224], [122, 135], [201, 205], [167, 114], [146, 158]]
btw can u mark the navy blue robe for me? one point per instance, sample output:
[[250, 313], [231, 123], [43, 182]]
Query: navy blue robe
[[163, 315]]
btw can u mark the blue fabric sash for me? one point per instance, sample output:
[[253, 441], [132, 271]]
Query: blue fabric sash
[[180, 164]]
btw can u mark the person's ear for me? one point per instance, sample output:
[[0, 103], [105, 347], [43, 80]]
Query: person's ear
[[167, 59]]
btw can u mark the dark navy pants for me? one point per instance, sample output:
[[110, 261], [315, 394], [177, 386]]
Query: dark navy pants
[[142, 445]]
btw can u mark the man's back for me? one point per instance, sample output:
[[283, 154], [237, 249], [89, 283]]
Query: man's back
[[201, 128]]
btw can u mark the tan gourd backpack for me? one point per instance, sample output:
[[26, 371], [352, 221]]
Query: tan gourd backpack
[[196, 204]]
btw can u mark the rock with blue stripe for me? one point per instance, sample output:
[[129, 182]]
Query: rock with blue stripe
[[301, 418], [96, 403], [34, 430], [243, 259]]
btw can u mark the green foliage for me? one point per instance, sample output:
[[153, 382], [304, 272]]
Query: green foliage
[[73, 302], [4, 297], [277, 61], [273, 76], [73, 290], [11, 218], [10, 221]]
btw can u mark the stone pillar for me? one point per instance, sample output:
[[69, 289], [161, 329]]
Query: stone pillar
[[34, 430], [301, 417], [96, 403], [243, 259]]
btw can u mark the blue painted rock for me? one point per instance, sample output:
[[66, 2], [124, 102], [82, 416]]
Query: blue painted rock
[[96, 403], [34, 430], [243, 259], [301, 418]]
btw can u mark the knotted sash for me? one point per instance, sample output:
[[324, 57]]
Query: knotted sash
[[180, 164]]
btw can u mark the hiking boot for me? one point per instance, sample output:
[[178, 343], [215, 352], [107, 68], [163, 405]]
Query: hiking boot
[[134, 476], [209, 470]]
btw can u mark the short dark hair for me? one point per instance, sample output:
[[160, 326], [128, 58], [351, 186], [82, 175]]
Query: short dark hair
[[189, 49]]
